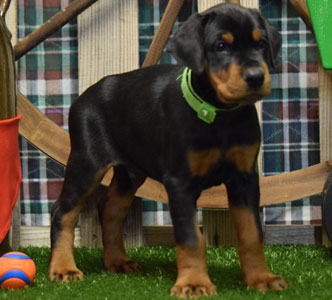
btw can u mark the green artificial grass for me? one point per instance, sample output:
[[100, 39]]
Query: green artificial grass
[[308, 270]]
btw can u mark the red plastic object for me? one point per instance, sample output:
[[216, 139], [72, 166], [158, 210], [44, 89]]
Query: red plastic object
[[10, 172]]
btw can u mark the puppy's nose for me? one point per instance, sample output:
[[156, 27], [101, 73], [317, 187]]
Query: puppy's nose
[[254, 77]]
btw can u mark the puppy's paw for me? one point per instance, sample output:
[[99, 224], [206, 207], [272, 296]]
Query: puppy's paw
[[193, 291], [65, 275], [267, 281], [128, 266]]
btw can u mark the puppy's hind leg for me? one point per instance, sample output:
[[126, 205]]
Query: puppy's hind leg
[[112, 211], [81, 178]]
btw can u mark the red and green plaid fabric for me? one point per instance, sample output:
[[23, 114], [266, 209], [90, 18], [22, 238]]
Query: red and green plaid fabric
[[48, 77], [290, 112]]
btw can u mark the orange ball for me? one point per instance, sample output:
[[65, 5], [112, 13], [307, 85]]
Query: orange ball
[[17, 270]]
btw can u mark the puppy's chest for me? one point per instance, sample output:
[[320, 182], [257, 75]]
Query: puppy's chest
[[240, 158]]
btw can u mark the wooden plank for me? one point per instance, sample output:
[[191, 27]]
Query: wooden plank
[[293, 235], [325, 121], [159, 236], [163, 235], [42, 132], [218, 228], [40, 236], [107, 40]]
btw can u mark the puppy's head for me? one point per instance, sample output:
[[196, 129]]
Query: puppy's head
[[234, 45]]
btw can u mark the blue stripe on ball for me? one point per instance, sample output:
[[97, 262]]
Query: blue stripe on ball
[[16, 255], [15, 274]]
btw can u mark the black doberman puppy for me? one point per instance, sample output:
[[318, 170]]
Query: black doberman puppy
[[189, 126]]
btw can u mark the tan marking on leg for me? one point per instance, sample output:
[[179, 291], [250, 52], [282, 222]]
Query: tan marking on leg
[[256, 34], [193, 280], [115, 210], [232, 88], [201, 161], [228, 38], [243, 157], [251, 252], [62, 266]]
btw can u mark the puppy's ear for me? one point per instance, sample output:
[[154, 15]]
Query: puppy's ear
[[187, 44], [273, 39], [274, 42]]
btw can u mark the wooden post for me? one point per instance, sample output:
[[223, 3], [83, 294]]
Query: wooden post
[[218, 228], [108, 44], [325, 122]]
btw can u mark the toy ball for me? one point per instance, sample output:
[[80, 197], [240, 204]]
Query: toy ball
[[17, 270]]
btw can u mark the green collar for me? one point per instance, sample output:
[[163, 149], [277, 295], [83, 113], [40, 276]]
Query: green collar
[[205, 111]]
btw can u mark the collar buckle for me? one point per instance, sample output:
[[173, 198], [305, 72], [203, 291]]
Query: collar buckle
[[206, 112]]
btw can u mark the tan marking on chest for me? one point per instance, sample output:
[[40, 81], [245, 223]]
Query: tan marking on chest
[[201, 161], [243, 157]]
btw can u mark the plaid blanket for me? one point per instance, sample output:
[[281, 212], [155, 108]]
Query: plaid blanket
[[48, 77]]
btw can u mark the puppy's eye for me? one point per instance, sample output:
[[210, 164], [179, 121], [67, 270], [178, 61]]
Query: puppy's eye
[[220, 46]]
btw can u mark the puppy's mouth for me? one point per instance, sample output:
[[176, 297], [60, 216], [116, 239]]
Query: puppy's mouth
[[239, 85]]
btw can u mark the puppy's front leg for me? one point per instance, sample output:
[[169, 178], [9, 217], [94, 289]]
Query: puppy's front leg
[[243, 196], [193, 280]]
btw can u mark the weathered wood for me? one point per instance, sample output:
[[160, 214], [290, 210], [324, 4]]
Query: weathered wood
[[40, 236], [293, 235], [108, 33], [218, 228], [158, 236], [42, 132], [325, 120], [302, 9]]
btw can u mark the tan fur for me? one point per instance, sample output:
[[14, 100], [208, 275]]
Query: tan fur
[[228, 38], [192, 278], [63, 266], [251, 252], [243, 157], [115, 210], [231, 87], [256, 34], [201, 161]]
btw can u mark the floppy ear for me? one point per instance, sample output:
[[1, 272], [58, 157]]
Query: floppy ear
[[274, 42], [187, 44]]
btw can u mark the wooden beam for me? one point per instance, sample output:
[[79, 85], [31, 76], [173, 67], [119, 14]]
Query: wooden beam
[[42, 132], [302, 9], [163, 32], [51, 26]]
